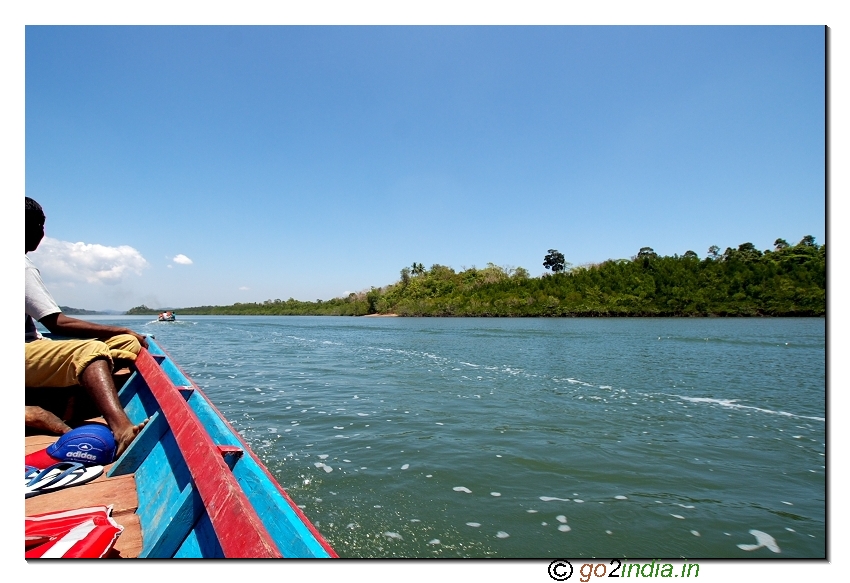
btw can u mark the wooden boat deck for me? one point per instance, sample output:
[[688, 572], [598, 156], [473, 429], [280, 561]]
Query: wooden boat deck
[[119, 491]]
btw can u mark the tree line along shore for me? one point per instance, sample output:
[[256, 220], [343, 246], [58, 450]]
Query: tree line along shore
[[788, 280]]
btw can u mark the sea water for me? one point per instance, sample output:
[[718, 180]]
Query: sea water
[[534, 438]]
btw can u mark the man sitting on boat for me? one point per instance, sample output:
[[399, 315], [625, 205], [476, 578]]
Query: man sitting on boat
[[61, 363]]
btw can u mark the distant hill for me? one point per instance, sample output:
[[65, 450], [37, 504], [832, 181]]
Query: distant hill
[[79, 311]]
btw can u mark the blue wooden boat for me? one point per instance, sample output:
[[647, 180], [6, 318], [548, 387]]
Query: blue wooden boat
[[200, 492]]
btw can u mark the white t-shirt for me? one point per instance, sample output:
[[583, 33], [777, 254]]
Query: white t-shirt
[[39, 302]]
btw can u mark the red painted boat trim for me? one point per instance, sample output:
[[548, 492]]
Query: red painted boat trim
[[262, 466], [240, 531]]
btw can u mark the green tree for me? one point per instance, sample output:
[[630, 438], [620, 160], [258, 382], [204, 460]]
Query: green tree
[[520, 273], [748, 252], [554, 260], [780, 244], [714, 251]]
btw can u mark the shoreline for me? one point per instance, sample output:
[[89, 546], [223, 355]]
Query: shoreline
[[379, 316]]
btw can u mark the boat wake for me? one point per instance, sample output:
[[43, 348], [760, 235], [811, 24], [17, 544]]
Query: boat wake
[[733, 404]]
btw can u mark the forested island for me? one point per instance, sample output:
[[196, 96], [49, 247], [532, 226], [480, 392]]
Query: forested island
[[788, 280]]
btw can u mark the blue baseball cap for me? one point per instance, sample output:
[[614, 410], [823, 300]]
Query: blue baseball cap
[[91, 444]]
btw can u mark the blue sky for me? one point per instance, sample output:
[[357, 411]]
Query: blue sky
[[309, 162]]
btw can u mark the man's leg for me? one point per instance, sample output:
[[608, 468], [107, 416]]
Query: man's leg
[[41, 419], [97, 380], [87, 362]]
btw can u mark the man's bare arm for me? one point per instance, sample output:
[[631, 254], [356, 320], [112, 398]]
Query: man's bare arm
[[59, 323]]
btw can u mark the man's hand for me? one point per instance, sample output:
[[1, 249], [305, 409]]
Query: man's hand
[[41, 419]]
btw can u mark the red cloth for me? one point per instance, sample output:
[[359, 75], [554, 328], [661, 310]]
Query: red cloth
[[84, 533]]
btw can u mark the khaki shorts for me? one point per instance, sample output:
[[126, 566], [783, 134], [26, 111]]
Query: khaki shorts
[[59, 363]]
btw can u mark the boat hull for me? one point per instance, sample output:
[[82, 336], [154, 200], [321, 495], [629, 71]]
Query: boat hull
[[202, 492]]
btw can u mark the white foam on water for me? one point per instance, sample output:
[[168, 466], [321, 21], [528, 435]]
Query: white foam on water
[[462, 489], [323, 456], [564, 528], [438, 423], [473, 524], [551, 498], [544, 524], [679, 516], [393, 535], [434, 541], [763, 539], [620, 497], [351, 525], [405, 466], [790, 529], [684, 505], [272, 429], [377, 506], [497, 455], [415, 520], [502, 534], [342, 436], [608, 532], [578, 501], [733, 404], [287, 430], [363, 414], [335, 427], [561, 518], [531, 511], [347, 461], [695, 533], [429, 476], [788, 503], [495, 494]]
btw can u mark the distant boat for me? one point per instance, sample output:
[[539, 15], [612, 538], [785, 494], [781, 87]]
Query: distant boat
[[167, 317]]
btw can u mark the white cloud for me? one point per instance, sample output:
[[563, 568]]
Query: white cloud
[[182, 259], [244, 288], [65, 263]]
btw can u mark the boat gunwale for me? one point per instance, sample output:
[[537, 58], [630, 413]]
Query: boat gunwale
[[247, 449], [226, 503]]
